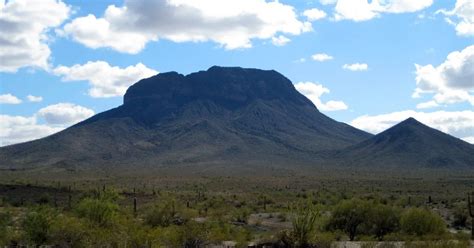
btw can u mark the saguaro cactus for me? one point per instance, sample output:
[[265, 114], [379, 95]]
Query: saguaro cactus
[[135, 206], [470, 207], [265, 203]]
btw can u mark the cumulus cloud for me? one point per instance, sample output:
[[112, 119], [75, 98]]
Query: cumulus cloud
[[105, 80], [32, 98], [9, 99], [451, 82], [456, 123], [16, 129], [356, 67], [24, 25], [64, 113], [280, 40], [363, 10], [321, 57], [314, 14], [428, 104], [461, 17], [232, 24], [314, 91]]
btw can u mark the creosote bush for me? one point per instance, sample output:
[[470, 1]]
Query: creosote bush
[[5, 230], [364, 217], [349, 216], [101, 210], [165, 214], [419, 222], [37, 225]]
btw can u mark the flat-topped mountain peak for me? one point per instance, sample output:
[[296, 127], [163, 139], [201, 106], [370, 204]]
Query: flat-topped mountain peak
[[229, 86]]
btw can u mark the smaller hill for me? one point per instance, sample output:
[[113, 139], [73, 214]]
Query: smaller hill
[[410, 144]]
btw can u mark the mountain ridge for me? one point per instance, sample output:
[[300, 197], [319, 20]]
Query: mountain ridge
[[411, 143], [229, 116], [222, 115]]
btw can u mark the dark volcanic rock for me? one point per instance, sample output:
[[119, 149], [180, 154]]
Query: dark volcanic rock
[[225, 115]]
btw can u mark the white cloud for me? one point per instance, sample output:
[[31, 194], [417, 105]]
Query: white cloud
[[321, 57], [456, 123], [327, 2], [24, 25], [356, 10], [232, 24], [300, 60], [428, 104], [105, 80], [314, 91], [463, 14], [362, 10], [356, 67], [405, 6], [280, 40], [16, 129], [9, 99], [469, 139], [451, 82], [64, 113], [32, 98], [314, 14]]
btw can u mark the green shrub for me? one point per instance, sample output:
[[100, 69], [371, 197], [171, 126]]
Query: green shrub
[[69, 232], [323, 240], [348, 216], [134, 233], [36, 225], [45, 198], [419, 222], [194, 234], [240, 215], [101, 211], [303, 224], [167, 236], [460, 216], [364, 217], [303, 227], [164, 215], [5, 232], [383, 219]]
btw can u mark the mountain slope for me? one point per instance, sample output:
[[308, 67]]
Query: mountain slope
[[410, 144], [225, 115]]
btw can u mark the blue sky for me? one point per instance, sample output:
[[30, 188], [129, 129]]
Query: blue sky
[[79, 59]]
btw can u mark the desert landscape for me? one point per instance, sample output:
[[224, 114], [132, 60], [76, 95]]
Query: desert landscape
[[232, 143]]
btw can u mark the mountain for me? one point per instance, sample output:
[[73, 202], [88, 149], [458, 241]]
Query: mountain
[[225, 115], [410, 144]]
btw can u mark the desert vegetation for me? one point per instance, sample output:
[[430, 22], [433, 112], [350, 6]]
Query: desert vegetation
[[257, 213]]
